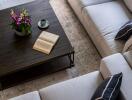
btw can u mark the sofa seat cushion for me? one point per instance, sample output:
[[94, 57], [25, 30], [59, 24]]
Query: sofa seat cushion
[[103, 22], [78, 5], [80, 88], [84, 3], [29, 96]]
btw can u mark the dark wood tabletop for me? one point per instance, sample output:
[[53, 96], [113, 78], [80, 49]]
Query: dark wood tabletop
[[16, 53]]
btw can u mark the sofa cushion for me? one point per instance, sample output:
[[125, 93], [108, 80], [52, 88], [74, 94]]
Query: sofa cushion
[[102, 23], [84, 3], [128, 4], [125, 31], [29, 96], [109, 88], [115, 64], [78, 5], [80, 88]]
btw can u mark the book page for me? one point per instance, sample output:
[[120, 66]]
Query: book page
[[45, 42], [43, 46], [49, 37]]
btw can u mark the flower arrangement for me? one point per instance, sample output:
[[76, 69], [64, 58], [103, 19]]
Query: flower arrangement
[[21, 22]]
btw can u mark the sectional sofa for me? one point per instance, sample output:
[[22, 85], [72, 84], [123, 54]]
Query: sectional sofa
[[83, 87], [102, 20]]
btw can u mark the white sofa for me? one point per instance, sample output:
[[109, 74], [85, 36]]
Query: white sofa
[[83, 87], [102, 20]]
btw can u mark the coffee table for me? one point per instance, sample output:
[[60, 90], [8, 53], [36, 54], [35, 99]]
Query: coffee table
[[18, 61]]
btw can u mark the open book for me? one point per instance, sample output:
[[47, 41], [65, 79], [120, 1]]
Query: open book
[[45, 42]]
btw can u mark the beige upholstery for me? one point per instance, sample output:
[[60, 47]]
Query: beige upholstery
[[102, 22], [80, 88], [83, 3], [83, 87], [115, 64], [29, 96], [128, 57], [78, 5], [104, 28], [128, 4], [128, 45]]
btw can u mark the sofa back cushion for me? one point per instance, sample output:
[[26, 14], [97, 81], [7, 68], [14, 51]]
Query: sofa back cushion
[[128, 4], [109, 89], [125, 31], [80, 88]]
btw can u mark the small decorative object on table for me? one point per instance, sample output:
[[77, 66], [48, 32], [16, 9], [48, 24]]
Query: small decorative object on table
[[42, 24], [21, 22]]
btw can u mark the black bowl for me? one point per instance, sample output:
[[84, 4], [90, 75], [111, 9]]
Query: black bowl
[[43, 24]]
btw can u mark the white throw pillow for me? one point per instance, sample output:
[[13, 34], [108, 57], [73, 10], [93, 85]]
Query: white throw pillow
[[128, 4], [128, 45]]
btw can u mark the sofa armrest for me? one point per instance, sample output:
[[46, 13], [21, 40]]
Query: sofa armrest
[[115, 64], [128, 57]]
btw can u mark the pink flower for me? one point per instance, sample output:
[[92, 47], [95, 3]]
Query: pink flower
[[13, 15]]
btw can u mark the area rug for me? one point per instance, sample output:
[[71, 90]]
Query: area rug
[[87, 58], [10, 3]]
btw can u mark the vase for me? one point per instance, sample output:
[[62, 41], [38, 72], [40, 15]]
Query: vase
[[22, 34]]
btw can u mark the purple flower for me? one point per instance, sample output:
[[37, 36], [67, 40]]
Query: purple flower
[[13, 15], [18, 23], [21, 18], [28, 21]]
